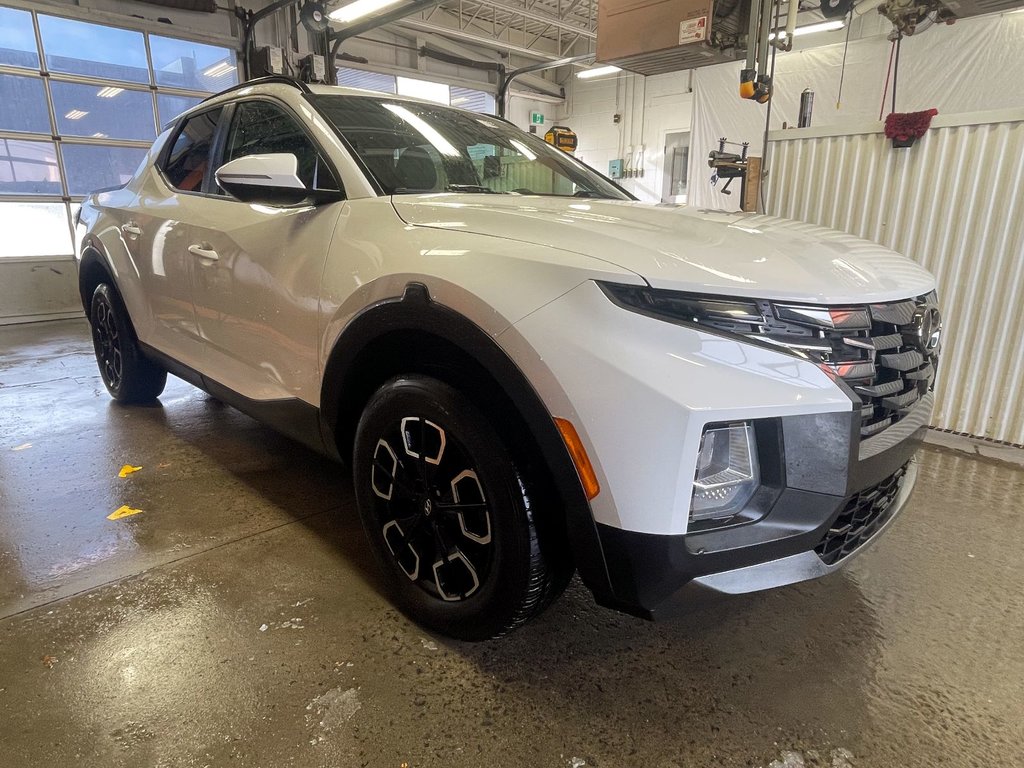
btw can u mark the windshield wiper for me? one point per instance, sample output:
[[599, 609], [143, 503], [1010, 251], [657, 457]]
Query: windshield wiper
[[471, 188]]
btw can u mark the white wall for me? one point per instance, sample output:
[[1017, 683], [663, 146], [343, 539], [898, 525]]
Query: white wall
[[648, 109], [969, 66]]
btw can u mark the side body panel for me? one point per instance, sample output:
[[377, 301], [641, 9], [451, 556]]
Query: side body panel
[[256, 280]]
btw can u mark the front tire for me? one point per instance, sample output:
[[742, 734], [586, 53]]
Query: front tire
[[447, 512], [129, 376]]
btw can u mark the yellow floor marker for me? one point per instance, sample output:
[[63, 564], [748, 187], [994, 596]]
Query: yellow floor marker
[[123, 511], [127, 469]]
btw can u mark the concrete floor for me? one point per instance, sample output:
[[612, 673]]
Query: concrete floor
[[238, 619]]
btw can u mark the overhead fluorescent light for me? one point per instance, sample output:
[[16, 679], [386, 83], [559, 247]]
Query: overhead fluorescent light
[[810, 29], [218, 69], [75, 114], [109, 92], [586, 74], [99, 135], [358, 9]]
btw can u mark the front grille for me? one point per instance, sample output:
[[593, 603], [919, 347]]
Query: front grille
[[887, 353], [862, 516]]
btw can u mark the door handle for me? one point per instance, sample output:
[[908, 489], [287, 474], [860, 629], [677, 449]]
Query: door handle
[[131, 228], [203, 253]]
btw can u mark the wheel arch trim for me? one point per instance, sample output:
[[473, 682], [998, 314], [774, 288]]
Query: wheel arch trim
[[93, 258], [416, 312]]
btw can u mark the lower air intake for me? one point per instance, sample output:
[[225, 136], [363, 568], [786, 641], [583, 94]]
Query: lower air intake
[[862, 516]]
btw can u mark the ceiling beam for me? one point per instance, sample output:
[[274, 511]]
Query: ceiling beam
[[539, 16]]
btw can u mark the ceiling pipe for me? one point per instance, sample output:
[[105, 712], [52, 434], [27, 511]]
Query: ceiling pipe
[[202, 6], [545, 87], [506, 81], [469, 37], [336, 37], [794, 9]]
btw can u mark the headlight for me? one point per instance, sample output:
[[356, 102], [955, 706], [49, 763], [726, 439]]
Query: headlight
[[735, 315], [727, 472]]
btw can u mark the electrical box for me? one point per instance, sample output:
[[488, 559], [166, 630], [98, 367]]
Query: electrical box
[[313, 69], [615, 169], [268, 60], [652, 37]]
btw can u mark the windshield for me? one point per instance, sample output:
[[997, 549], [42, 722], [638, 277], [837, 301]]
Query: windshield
[[412, 148]]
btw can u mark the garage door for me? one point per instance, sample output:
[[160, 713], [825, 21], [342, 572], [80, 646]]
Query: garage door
[[82, 102]]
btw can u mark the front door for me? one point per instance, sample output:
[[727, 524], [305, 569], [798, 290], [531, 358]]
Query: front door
[[258, 268]]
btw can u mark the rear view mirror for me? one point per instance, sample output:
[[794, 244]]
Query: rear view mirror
[[492, 167], [272, 179]]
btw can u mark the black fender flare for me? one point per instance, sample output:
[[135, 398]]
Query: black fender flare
[[416, 312], [92, 262]]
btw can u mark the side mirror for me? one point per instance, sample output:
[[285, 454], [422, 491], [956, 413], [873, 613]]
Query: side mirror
[[272, 179]]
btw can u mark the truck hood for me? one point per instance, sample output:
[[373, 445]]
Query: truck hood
[[680, 248]]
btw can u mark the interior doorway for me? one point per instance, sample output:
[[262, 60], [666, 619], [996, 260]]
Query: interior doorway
[[677, 158]]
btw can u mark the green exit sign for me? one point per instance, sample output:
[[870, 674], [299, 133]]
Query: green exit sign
[[536, 118]]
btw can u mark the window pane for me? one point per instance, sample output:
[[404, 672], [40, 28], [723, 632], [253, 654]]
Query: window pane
[[90, 167], [29, 168], [170, 107], [468, 98], [186, 64], [189, 157], [371, 81], [34, 229], [423, 89], [17, 39], [102, 111], [24, 104], [260, 128], [93, 49]]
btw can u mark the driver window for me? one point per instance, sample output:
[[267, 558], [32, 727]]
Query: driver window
[[262, 128], [187, 161]]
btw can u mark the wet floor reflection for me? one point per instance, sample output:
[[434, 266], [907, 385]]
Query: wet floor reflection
[[225, 622]]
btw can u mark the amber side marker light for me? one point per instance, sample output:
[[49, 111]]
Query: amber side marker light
[[579, 457]]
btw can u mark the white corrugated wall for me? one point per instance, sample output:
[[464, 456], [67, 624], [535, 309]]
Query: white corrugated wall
[[953, 202]]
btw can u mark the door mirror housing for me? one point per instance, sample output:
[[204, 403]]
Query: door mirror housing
[[271, 179]]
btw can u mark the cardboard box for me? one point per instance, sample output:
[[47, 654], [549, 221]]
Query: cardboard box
[[631, 27], [656, 36]]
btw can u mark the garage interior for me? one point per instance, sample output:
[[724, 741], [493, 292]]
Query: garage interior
[[181, 585]]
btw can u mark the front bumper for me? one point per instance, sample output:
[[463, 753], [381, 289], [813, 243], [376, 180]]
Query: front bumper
[[640, 399], [802, 566], [661, 576]]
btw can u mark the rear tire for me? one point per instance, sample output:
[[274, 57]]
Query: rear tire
[[129, 376], [448, 514]]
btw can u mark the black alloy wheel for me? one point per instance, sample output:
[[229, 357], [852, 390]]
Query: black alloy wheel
[[448, 514], [432, 511], [129, 376], [107, 342]]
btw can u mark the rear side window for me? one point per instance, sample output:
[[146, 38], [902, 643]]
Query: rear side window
[[189, 158], [262, 128]]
